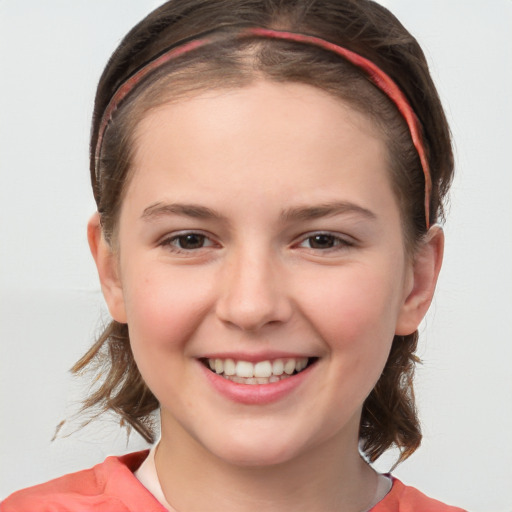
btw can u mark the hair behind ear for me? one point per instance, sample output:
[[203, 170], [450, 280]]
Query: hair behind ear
[[389, 415], [120, 387]]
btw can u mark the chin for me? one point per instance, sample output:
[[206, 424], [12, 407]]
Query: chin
[[257, 451]]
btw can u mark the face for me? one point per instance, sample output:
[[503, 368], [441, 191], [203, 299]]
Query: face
[[259, 236]]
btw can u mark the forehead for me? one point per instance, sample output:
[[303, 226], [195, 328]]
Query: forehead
[[263, 139], [275, 112]]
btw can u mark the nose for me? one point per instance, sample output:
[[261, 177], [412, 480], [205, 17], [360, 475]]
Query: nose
[[253, 292]]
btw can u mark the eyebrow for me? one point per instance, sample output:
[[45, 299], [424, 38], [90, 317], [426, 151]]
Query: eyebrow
[[187, 210], [298, 213], [327, 210]]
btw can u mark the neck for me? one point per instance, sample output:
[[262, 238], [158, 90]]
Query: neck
[[327, 477]]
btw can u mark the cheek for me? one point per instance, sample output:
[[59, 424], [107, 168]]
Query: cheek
[[355, 311], [164, 308]]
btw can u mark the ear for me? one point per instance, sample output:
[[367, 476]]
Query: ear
[[108, 269], [425, 271]]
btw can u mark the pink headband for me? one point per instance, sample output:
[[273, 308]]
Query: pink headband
[[374, 73]]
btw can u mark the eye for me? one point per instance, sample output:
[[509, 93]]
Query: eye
[[324, 241], [187, 241], [190, 241], [321, 241]]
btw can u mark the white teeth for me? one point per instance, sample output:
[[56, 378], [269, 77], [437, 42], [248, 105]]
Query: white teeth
[[256, 380], [262, 372], [229, 367], [278, 367], [244, 369], [301, 364], [263, 369], [289, 366]]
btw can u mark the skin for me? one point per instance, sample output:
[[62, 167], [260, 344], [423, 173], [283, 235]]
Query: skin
[[262, 157]]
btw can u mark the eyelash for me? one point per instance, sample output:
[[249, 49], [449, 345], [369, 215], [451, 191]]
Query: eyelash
[[338, 243], [172, 242]]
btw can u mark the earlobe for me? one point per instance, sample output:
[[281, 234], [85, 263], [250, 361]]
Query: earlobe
[[426, 268], [108, 271]]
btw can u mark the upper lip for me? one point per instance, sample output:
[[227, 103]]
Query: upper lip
[[255, 357]]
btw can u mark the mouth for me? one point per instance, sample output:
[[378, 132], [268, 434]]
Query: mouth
[[261, 372]]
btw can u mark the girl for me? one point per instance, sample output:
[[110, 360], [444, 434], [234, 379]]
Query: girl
[[268, 177]]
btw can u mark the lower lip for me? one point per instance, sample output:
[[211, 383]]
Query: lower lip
[[256, 394]]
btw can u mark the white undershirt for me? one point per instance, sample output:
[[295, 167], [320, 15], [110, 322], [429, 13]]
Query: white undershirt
[[148, 477]]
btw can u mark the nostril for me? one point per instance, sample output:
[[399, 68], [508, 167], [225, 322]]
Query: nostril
[[252, 297]]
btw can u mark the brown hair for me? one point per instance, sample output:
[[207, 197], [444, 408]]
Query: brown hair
[[389, 414]]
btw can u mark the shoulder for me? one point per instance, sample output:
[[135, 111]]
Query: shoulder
[[109, 486], [403, 498]]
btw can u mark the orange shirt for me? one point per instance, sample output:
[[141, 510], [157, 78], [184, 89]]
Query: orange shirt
[[112, 487]]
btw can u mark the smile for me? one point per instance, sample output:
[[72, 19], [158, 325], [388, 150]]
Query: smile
[[262, 372]]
